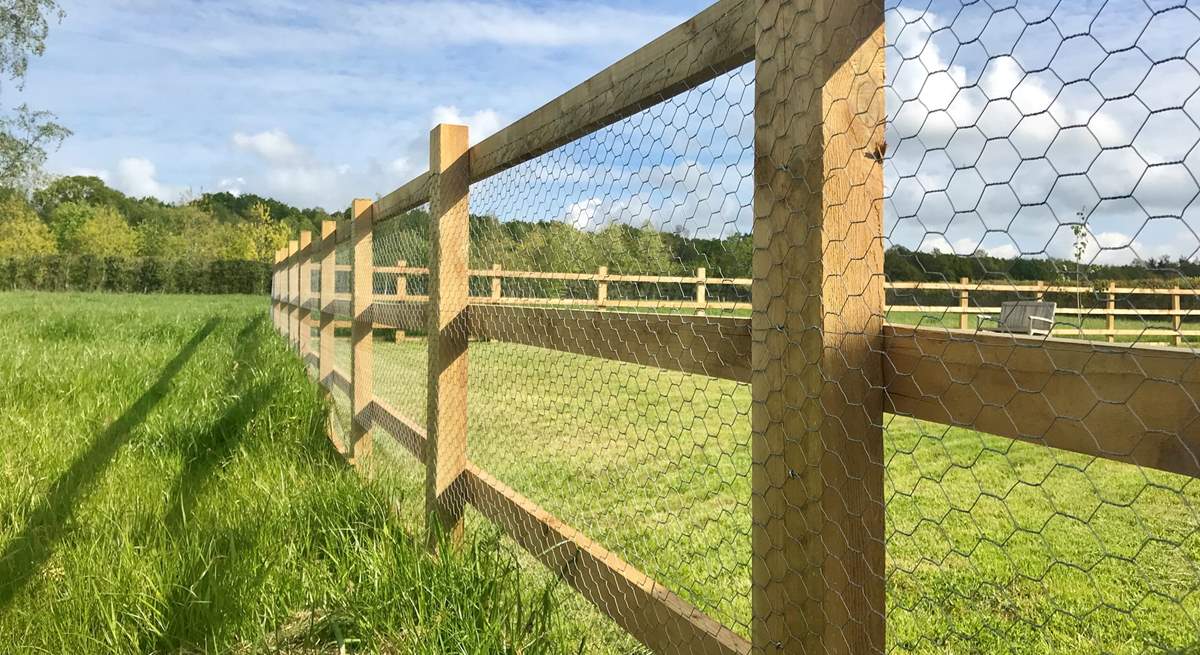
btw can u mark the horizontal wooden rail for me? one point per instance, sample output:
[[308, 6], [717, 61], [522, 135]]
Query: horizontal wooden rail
[[410, 196], [644, 608], [705, 345], [338, 379], [647, 610], [1133, 404], [405, 431], [714, 41], [1129, 403]]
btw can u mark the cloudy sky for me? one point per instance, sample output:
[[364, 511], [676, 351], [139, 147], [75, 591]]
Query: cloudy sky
[[313, 102], [1010, 121]]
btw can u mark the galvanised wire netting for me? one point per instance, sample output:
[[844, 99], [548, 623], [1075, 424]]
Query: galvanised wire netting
[[1051, 145], [650, 463], [968, 424]]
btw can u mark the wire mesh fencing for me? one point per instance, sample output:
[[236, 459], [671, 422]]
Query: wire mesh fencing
[[840, 327]]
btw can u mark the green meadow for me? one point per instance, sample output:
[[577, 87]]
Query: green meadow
[[167, 486]]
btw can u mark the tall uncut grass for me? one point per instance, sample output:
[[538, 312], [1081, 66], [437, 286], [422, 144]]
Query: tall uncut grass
[[166, 486]]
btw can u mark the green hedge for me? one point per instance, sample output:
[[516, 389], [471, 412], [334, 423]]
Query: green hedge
[[140, 275]]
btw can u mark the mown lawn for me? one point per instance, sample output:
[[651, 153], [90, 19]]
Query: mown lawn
[[994, 546], [166, 485]]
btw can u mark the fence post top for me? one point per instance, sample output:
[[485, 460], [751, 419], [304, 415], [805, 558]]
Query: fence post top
[[449, 127]]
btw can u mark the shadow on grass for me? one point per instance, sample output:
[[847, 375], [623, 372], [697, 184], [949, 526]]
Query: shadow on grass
[[46, 526], [215, 584]]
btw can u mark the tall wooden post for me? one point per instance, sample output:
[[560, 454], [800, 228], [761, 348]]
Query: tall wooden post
[[276, 291], [293, 276], [401, 292], [304, 276], [602, 287], [701, 289], [1110, 306], [963, 303], [402, 280], [362, 291], [1176, 317], [818, 301], [325, 343], [446, 446]]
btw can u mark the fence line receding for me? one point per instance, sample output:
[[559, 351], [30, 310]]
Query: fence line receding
[[735, 337]]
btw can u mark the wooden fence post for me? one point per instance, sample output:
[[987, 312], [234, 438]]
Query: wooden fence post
[[326, 344], [304, 276], [817, 509], [602, 288], [1040, 294], [446, 416], [701, 290], [362, 292], [276, 291], [401, 292], [964, 302], [497, 287], [1111, 322], [1176, 316], [293, 277]]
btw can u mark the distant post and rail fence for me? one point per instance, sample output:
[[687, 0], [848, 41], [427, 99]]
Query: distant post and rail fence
[[821, 351]]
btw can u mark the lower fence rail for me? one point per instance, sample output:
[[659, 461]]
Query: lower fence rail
[[1121, 402]]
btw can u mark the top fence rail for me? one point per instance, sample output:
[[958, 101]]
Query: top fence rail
[[719, 483]]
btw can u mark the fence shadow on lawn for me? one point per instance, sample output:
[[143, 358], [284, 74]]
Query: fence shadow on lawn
[[190, 614], [48, 524]]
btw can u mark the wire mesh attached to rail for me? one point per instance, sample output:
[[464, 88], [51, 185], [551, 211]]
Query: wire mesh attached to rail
[[650, 463], [880, 342], [1041, 161]]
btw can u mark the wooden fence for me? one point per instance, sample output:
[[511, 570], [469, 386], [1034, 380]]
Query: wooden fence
[[1127, 403], [699, 298]]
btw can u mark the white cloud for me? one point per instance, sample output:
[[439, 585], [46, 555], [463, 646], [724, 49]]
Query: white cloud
[[272, 145], [232, 185], [138, 177], [480, 124], [582, 215]]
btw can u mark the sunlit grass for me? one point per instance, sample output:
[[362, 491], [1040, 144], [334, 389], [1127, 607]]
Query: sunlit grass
[[166, 486], [994, 545]]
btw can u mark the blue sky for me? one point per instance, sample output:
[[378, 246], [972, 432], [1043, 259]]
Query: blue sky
[[1007, 119], [312, 102]]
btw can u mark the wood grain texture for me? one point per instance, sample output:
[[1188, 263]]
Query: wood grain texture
[[714, 41], [817, 408], [1134, 404], [304, 292], [328, 253], [705, 345], [293, 292], [446, 413], [645, 609], [362, 368], [411, 195]]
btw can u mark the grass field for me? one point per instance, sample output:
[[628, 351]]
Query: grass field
[[994, 546], [166, 486]]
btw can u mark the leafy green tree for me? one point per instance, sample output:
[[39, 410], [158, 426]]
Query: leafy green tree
[[22, 234], [264, 235], [65, 221], [25, 134], [80, 189], [105, 234]]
